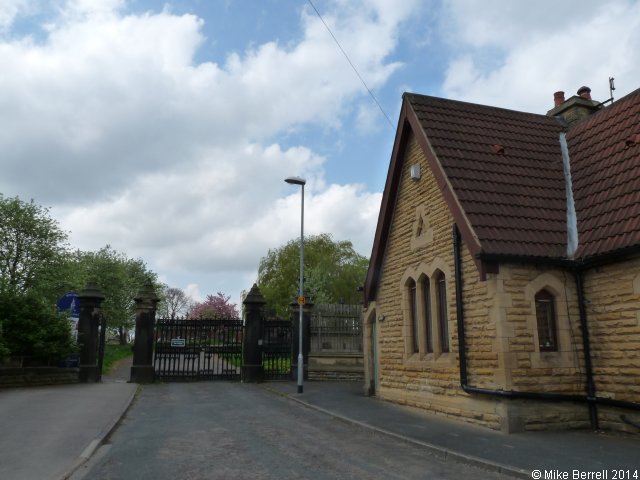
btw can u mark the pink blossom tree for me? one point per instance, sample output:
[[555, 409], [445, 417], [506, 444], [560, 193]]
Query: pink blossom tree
[[215, 306]]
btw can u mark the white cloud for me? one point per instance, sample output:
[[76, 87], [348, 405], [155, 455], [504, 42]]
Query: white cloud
[[502, 23], [193, 292], [198, 217], [537, 48], [134, 144], [119, 95], [11, 9]]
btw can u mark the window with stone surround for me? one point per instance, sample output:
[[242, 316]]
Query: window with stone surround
[[552, 319], [546, 320], [425, 294], [441, 308], [413, 307], [425, 326]]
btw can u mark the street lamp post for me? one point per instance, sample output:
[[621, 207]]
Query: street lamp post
[[301, 182]]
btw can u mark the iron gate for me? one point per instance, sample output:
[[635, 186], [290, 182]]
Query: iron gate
[[276, 349], [203, 349]]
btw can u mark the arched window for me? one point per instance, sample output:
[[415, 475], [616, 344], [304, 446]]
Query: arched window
[[546, 318], [413, 306], [441, 302], [428, 327]]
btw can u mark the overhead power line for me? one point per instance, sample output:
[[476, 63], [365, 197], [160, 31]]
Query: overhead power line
[[352, 65]]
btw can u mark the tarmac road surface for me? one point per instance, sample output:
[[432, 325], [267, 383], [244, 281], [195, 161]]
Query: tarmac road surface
[[231, 430]]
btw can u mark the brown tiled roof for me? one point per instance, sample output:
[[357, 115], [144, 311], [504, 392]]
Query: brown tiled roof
[[501, 174], [505, 168], [605, 169]]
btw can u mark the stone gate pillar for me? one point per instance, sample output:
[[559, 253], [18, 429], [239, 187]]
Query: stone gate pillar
[[90, 300], [252, 368], [307, 309], [146, 302]]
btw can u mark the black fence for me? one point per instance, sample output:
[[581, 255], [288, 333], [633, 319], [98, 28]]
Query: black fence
[[198, 349], [336, 328], [276, 349], [211, 349]]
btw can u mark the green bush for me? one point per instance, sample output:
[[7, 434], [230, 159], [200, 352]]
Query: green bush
[[33, 329]]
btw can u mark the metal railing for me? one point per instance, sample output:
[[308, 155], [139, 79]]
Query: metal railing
[[336, 328]]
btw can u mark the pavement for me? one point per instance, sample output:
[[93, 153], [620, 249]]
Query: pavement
[[49, 432], [555, 455]]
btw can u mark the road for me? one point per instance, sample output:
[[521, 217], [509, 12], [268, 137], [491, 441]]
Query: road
[[230, 430]]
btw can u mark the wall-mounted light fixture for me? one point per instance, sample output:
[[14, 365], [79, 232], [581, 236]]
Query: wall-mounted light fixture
[[415, 171]]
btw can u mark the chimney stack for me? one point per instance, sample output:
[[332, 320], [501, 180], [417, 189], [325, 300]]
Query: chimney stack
[[558, 98], [575, 108]]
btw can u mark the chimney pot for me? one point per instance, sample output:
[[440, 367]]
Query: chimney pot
[[558, 98], [585, 92]]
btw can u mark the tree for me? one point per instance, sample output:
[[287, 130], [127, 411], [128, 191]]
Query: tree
[[217, 306], [33, 329], [32, 276], [173, 302], [120, 278], [31, 247], [333, 272]]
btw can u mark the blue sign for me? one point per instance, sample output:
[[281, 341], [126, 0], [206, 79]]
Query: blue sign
[[69, 301]]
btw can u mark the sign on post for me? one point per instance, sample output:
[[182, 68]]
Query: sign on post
[[69, 302], [301, 300]]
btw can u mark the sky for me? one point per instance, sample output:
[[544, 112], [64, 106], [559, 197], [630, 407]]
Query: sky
[[166, 129]]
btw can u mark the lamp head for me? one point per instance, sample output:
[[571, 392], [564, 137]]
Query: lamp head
[[295, 180]]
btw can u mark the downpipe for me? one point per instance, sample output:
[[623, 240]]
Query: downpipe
[[462, 347], [586, 349]]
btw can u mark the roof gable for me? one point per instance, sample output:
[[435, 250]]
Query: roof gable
[[504, 166], [501, 174]]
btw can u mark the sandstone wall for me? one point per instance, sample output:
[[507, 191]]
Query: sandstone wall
[[420, 243], [613, 312], [500, 326]]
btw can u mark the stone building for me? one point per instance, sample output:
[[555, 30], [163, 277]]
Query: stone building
[[504, 282]]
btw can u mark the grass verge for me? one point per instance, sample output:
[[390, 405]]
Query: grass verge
[[113, 353]]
